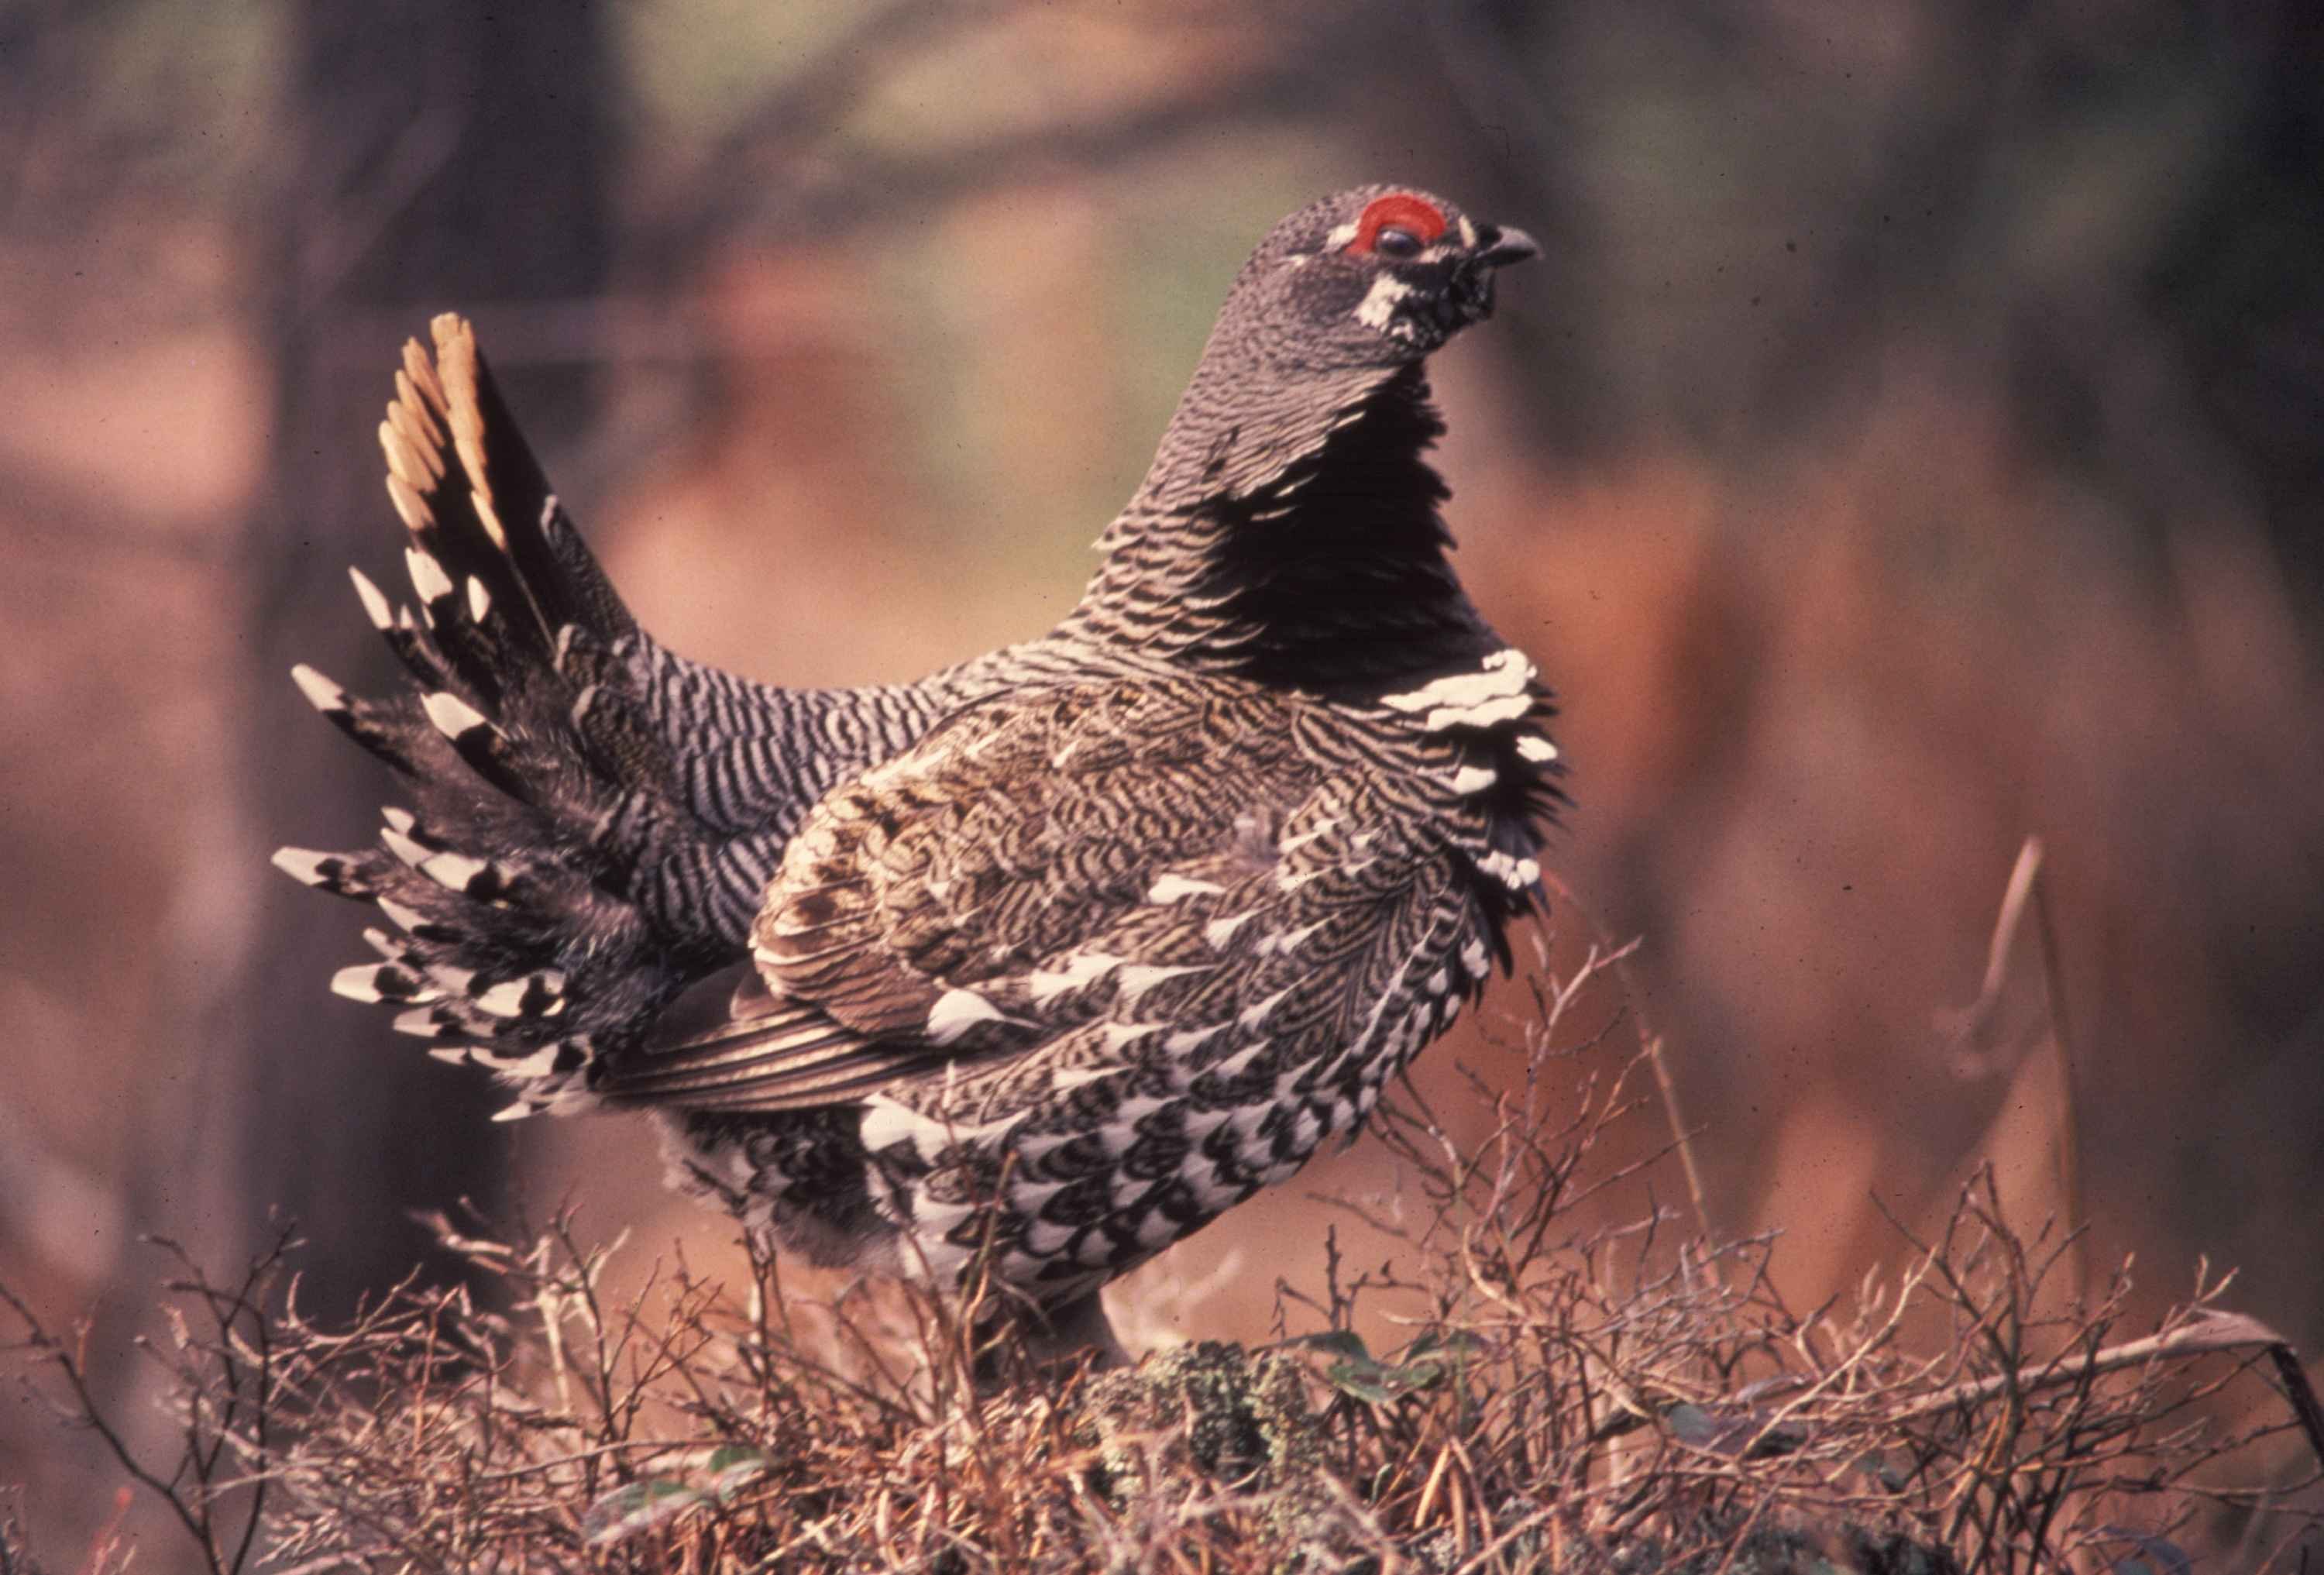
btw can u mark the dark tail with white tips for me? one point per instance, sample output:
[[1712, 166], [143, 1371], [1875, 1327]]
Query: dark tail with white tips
[[544, 890]]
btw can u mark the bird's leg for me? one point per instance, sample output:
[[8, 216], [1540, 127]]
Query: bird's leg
[[1051, 1340]]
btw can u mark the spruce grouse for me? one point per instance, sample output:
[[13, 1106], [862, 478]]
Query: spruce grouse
[[1068, 949]]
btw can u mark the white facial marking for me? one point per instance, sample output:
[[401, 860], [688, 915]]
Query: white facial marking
[[1377, 310], [1468, 233]]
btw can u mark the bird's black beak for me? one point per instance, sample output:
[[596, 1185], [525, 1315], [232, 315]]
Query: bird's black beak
[[1497, 247]]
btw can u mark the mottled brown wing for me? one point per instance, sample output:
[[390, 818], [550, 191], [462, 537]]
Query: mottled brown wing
[[999, 843]]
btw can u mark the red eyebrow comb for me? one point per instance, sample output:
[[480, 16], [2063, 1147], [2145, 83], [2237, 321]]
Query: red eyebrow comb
[[1401, 210]]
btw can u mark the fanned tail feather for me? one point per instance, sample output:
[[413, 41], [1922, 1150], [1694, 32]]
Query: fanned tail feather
[[530, 895]]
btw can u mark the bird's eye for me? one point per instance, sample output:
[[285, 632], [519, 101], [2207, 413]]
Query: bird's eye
[[1393, 241]]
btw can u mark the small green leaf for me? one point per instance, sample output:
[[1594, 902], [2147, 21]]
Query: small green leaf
[[1344, 1342], [1361, 1380], [639, 1506], [1453, 1342]]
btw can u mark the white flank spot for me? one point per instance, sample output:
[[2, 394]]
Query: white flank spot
[[887, 1123], [358, 982], [427, 575], [1439, 982], [322, 693], [1292, 844], [1495, 692], [1471, 780], [1043, 1239], [1190, 1039], [955, 1012], [1258, 1011], [1473, 957], [480, 601], [1131, 1111], [1236, 1065], [1290, 940], [1377, 310], [1201, 1124], [451, 1055], [1219, 932], [1073, 1077], [302, 864], [451, 714], [401, 819], [421, 1022], [1122, 1036], [1177, 888], [1082, 968], [1138, 978], [1536, 749], [1484, 714], [375, 600], [1158, 1229]]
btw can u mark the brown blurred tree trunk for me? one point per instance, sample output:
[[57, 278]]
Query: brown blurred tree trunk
[[449, 156]]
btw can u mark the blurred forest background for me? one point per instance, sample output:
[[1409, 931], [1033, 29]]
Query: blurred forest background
[[1912, 440]]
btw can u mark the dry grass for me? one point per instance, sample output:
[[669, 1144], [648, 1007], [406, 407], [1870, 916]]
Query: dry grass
[[1634, 1400]]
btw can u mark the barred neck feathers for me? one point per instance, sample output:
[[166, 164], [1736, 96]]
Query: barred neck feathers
[[1288, 530], [1317, 562]]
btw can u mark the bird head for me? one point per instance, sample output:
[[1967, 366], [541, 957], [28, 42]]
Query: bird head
[[1376, 276]]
